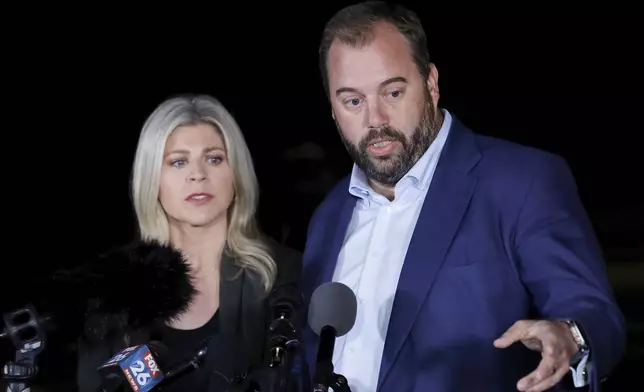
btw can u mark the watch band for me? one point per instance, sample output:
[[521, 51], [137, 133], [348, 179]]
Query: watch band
[[579, 339]]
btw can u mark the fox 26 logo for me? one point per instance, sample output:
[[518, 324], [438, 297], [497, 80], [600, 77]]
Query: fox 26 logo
[[145, 370]]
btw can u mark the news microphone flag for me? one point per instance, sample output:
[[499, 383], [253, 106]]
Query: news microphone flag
[[137, 365]]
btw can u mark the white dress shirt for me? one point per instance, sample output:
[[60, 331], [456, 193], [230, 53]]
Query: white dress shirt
[[371, 259]]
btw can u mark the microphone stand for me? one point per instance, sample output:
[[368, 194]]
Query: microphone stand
[[24, 328]]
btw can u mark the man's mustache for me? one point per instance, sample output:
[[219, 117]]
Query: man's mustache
[[383, 133]]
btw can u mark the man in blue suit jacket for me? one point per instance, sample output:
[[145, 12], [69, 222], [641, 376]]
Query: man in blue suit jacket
[[473, 261]]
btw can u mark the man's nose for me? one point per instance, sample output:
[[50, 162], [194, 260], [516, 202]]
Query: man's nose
[[377, 116]]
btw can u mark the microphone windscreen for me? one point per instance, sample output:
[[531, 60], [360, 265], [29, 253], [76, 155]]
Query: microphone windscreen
[[333, 304], [285, 293]]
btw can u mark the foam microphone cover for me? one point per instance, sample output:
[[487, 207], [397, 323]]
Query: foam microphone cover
[[333, 304]]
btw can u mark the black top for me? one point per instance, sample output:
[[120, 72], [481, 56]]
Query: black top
[[182, 346]]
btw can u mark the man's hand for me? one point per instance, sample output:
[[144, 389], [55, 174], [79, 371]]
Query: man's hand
[[556, 344]]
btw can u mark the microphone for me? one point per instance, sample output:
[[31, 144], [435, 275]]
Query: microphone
[[283, 340], [332, 313], [191, 364], [140, 366], [27, 330], [136, 365], [284, 301]]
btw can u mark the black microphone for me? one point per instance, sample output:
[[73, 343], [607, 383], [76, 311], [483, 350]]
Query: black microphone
[[137, 366], [142, 367], [27, 330], [191, 364], [282, 343], [332, 313], [285, 302]]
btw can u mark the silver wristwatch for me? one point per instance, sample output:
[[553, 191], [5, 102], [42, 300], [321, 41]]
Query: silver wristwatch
[[578, 336]]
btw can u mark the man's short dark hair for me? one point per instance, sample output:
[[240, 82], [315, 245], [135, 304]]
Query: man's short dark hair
[[354, 25]]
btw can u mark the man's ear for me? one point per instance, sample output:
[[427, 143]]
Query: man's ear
[[432, 83]]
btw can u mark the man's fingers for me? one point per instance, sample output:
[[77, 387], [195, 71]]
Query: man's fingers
[[543, 337], [516, 332], [552, 380], [546, 369], [553, 366]]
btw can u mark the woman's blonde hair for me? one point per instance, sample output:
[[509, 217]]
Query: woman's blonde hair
[[244, 241]]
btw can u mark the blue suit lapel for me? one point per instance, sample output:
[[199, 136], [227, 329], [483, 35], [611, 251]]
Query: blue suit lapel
[[444, 207], [323, 270], [343, 220]]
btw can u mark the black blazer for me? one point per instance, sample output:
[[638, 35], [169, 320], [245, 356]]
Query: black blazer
[[158, 276]]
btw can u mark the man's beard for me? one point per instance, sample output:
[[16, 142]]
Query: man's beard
[[388, 170]]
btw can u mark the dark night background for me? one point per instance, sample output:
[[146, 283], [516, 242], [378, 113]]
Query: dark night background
[[79, 91]]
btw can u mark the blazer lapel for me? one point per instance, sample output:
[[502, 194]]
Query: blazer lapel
[[445, 204], [230, 295], [241, 311], [322, 270], [254, 318], [343, 219]]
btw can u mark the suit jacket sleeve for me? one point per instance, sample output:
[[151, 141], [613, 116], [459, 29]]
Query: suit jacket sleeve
[[561, 263]]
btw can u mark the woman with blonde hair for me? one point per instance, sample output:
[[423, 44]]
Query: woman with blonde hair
[[200, 269]]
